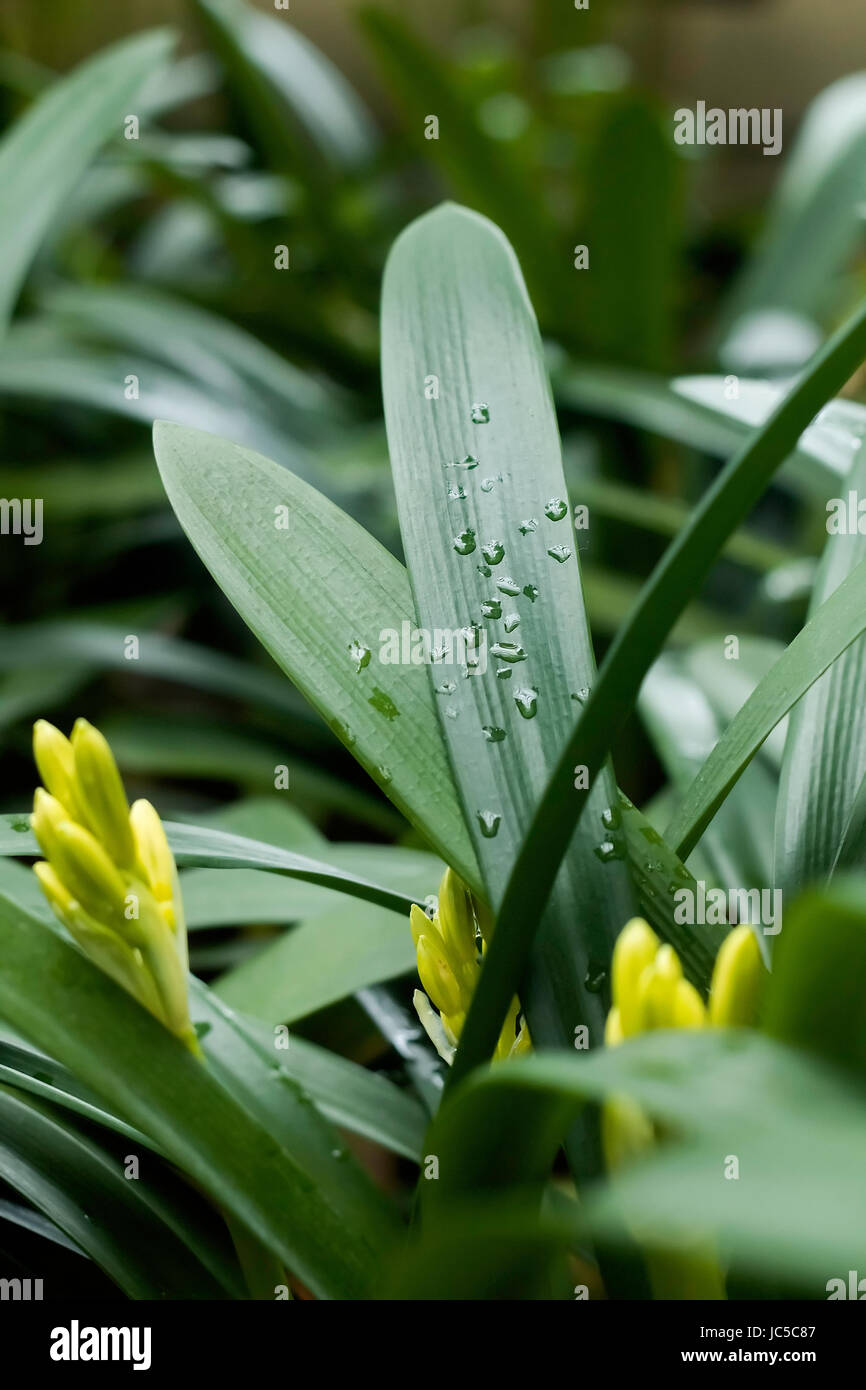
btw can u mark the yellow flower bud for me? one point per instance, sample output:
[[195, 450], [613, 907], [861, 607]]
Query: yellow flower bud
[[419, 922], [657, 989], [100, 791], [738, 980], [635, 949], [157, 861], [456, 920], [437, 976], [78, 859], [689, 1011], [56, 763]]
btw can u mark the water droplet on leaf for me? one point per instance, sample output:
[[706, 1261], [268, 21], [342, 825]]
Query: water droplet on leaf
[[360, 655], [464, 544], [493, 552], [480, 413], [560, 553], [526, 700], [555, 508], [489, 822]]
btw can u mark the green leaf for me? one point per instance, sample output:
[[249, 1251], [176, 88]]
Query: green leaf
[[151, 1236], [277, 74], [476, 166], [45, 153], [678, 574], [825, 752], [813, 228], [834, 626], [194, 846], [310, 596], [258, 1150], [452, 295]]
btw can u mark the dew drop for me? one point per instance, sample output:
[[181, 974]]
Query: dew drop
[[560, 553], [528, 526], [343, 732], [493, 552], [456, 493], [360, 655], [484, 570], [512, 620], [607, 851], [489, 822], [611, 819], [581, 695], [431, 904], [438, 653], [446, 688], [508, 651], [383, 703], [20, 825], [526, 700], [491, 608], [492, 733], [531, 592], [469, 462], [480, 413], [464, 544], [451, 712], [503, 673], [595, 978], [488, 484], [507, 585], [385, 773], [555, 508]]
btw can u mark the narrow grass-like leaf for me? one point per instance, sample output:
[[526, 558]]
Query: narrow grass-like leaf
[[256, 1149], [490, 492], [45, 153], [319, 599], [681, 570], [838, 622], [825, 753]]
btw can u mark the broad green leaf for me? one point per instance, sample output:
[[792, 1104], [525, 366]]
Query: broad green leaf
[[320, 598], [453, 294], [45, 153], [196, 847], [224, 358], [152, 1236], [361, 1101], [813, 228], [825, 752], [38, 363], [278, 74], [258, 1150], [681, 570], [837, 623]]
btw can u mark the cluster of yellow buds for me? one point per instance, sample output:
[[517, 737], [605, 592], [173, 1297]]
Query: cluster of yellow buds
[[109, 874], [450, 947], [649, 990]]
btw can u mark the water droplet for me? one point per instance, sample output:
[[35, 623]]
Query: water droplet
[[488, 484], [512, 620], [555, 508], [493, 552], [383, 703], [451, 712], [385, 773], [484, 570], [611, 819], [595, 978], [560, 553], [492, 733], [581, 695], [343, 732], [464, 544], [608, 850], [21, 824], [480, 413], [507, 585], [528, 526], [489, 822], [491, 608], [508, 651], [202, 1029], [456, 493], [526, 700], [531, 592], [438, 653], [503, 673], [469, 462], [360, 655], [431, 904], [446, 688]]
